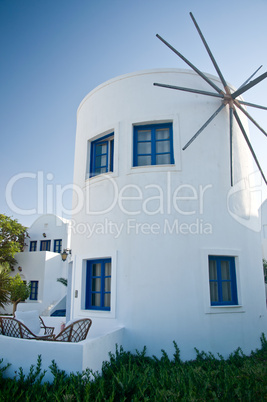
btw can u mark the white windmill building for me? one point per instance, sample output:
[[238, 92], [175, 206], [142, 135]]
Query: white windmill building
[[164, 241]]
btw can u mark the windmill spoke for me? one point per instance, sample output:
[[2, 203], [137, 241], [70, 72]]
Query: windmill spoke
[[231, 145], [204, 126], [250, 77], [196, 91], [248, 86], [190, 64], [253, 105], [250, 118], [249, 144], [209, 52]]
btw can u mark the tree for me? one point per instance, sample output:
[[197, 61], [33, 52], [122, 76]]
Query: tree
[[12, 236], [4, 287], [19, 291]]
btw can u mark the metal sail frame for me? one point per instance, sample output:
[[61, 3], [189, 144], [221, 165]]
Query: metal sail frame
[[228, 98]]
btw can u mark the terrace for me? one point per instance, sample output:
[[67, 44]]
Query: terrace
[[70, 357]]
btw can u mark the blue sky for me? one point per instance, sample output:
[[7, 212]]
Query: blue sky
[[53, 52]]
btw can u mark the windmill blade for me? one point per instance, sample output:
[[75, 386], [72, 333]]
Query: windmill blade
[[196, 91], [231, 145], [250, 118], [248, 86], [209, 52], [249, 144], [250, 77], [190, 65], [253, 105], [204, 126]]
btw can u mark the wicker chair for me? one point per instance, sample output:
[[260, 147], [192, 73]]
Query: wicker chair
[[74, 332], [47, 330], [9, 326], [33, 322]]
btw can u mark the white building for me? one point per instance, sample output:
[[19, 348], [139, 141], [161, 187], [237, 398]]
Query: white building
[[161, 243], [40, 265]]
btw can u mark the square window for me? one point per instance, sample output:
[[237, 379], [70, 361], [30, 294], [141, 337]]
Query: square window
[[57, 246], [34, 290], [98, 284], [45, 245], [153, 145], [222, 278], [33, 245], [102, 151]]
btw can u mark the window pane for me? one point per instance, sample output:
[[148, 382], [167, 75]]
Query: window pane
[[226, 291], [144, 135], [96, 300], [107, 284], [162, 146], [96, 269], [212, 269], [144, 148], [225, 270], [163, 159], [214, 292], [107, 268], [96, 284], [107, 300], [162, 134], [144, 160], [100, 161], [101, 149], [100, 170]]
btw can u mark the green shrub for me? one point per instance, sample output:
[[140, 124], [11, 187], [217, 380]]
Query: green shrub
[[137, 377]]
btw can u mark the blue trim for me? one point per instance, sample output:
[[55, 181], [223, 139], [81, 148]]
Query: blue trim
[[33, 245], [97, 154], [57, 245], [154, 141], [219, 281], [89, 285], [34, 290], [47, 245]]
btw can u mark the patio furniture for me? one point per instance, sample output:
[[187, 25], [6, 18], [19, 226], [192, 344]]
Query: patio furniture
[[34, 322], [12, 327], [74, 331]]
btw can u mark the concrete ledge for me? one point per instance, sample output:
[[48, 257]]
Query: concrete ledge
[[71, 357]]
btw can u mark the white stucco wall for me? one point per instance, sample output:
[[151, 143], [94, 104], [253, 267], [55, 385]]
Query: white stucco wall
[[264, 229], [54, 228], [170, 218], [70, 357]]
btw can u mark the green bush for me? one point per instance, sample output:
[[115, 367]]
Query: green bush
[[137, 377]]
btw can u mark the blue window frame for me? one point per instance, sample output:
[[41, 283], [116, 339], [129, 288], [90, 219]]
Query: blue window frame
[[222, 278], [34, 290], [33, 245], [45, 245], [57, 245], [102, 151], [153, 145], [98, 284]]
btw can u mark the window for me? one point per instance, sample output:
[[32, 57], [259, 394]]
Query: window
[[45, 245], [222, 277], [34, 290], [98, 284], [33, 245], [102, 151], [57, 246], [153, 145]]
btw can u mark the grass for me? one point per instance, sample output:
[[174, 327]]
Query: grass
[[138, 377]]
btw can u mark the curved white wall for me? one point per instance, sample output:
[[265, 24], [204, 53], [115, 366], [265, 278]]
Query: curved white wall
[[159, 241]]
